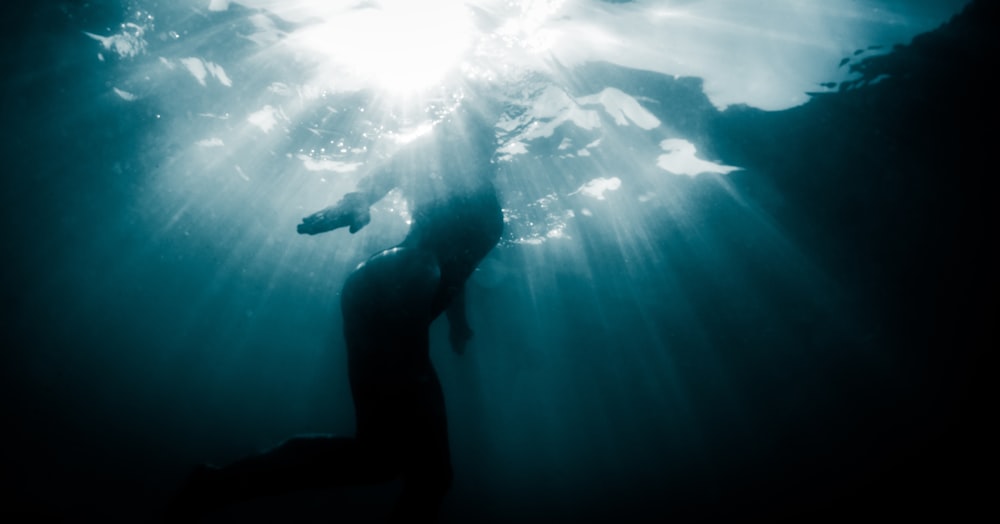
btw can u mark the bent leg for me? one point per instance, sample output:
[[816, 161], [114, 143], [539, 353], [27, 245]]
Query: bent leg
[[402, 427], [427, 471], [303, 462], [387, 307]]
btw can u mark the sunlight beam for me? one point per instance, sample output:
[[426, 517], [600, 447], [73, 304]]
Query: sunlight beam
[[401, 47]]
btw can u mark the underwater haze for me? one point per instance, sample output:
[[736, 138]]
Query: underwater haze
[[742, 275]]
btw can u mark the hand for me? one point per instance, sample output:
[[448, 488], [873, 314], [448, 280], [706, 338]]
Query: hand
[[459, 337], [352, 211]]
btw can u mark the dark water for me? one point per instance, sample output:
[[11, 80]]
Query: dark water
[[798, 339]]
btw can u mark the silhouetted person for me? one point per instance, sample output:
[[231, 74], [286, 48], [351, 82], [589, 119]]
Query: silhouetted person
[[388, 304]]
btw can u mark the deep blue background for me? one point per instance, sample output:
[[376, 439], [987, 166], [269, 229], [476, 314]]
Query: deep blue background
[[812, 355]]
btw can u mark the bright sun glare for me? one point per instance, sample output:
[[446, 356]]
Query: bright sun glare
[[401, 46]]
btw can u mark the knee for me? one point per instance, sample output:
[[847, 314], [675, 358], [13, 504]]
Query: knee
[[303, 448], [433, 480]]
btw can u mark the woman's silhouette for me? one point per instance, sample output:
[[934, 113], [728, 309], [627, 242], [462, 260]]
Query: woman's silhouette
[[388, 304]]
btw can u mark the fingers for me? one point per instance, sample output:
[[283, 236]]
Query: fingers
[[351, 211], [314, 223], [322, 221]]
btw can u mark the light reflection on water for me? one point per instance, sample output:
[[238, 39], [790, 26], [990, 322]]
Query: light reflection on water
[[256, 129]]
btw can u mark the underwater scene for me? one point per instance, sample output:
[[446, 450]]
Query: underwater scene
[[493, 261]]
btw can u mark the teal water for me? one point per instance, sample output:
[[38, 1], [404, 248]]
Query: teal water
[[787, 329]]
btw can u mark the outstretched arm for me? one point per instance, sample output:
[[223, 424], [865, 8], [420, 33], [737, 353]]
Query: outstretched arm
[[353, 209]]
